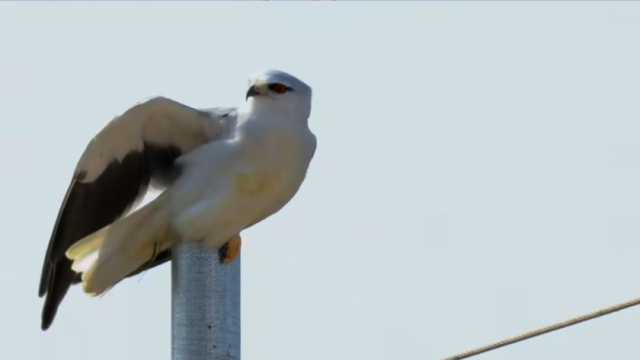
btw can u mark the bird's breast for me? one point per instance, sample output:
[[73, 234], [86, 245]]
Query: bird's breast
[[255, 183], [233, 186], [278, 166]]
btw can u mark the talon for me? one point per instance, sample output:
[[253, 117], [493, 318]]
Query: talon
[[230, 250]]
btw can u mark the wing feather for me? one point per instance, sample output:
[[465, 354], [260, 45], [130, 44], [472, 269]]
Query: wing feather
[[114, 171]]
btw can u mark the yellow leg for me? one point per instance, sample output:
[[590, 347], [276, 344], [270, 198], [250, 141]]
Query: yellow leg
[[231, 250]]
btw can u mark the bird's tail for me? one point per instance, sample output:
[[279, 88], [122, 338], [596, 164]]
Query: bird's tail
[[112, 253]]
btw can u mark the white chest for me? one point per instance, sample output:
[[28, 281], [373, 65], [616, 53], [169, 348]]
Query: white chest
[[277, 166], [236, 183]]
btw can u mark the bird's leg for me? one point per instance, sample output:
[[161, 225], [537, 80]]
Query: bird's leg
[[230, 251]]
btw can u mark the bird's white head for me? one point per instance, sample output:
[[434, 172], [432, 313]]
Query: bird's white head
[[278, 91]]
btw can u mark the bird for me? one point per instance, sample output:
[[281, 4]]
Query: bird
[[220, 170]]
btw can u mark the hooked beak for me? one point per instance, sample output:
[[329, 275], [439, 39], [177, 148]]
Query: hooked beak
[[253, 91]]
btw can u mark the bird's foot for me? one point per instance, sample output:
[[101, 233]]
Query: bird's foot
[[231, 250]]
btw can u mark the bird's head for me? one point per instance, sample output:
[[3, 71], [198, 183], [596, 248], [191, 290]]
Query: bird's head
[[278, 90]]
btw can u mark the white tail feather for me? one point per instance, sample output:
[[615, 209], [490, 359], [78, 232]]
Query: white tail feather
[[109, 255], [85, 263]]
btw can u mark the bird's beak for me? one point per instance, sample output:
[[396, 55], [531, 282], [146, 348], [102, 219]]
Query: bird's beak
[[254, 90]]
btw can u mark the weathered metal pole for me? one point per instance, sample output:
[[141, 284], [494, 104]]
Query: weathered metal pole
[[205, 305]]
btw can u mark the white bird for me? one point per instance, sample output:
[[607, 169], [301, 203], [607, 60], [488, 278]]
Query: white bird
[[222, 170]]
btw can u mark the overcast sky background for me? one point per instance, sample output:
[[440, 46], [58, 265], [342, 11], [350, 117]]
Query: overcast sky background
[[477, 174]]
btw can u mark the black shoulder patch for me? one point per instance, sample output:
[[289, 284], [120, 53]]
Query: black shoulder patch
[[161, 164]]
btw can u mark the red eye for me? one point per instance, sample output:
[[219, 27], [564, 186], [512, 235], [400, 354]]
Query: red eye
[[279, 88]]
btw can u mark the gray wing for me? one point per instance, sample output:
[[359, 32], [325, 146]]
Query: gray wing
[[132, 151]]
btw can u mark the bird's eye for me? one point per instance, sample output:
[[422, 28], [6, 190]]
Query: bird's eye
[[279, 88]]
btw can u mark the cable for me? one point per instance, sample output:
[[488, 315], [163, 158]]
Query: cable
[[545, 330]]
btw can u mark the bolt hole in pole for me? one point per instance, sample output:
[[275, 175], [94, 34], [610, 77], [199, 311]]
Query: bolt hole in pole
[[205, 304]]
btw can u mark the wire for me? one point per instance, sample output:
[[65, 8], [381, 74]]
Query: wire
[[545, 330]]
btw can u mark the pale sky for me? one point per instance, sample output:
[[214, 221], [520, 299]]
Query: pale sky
[[477, 172]]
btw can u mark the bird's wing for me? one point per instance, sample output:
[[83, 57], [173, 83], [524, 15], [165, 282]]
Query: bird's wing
[[115, 170]]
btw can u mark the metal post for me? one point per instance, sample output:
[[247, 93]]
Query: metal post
[[205, 306]]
